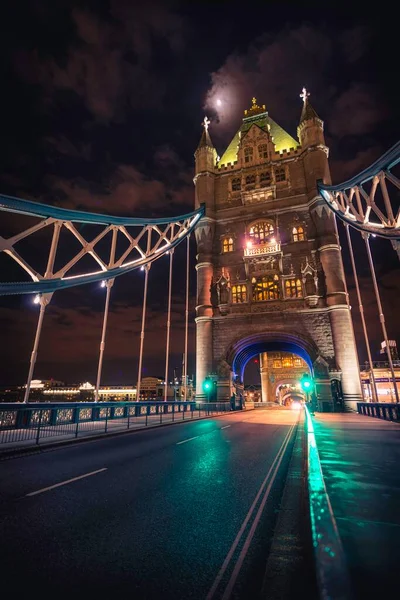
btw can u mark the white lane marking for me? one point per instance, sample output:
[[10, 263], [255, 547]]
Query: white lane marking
[[188, 440], [51, 487], [245, 522], [225, 426], [246, 545]]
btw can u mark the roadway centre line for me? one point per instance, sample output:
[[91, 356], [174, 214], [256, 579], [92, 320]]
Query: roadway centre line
[[246, 545], [51, 487], [226, 426], [228, 557], [188, 440]]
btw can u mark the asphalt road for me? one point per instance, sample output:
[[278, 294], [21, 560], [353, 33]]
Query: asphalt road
[[184, 512]]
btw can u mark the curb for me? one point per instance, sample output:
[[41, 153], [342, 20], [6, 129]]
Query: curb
[[329, 558]]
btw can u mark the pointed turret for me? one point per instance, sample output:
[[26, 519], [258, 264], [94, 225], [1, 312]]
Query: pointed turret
[[311, 127], [205, 140], [206, 154], [311, 136]]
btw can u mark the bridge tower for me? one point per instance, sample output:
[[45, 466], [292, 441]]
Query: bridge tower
[[269, 270]]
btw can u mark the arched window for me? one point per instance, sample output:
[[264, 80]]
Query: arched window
[[265, 288], [280, 174], [265, 179], [248, 154], [293, 288], [250, 180], [227, 244], [261, 232], [236, 184], [239, 294], [263, 151], [298, 233]]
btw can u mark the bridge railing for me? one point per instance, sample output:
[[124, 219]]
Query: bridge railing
[[379, 410], [22, 424]]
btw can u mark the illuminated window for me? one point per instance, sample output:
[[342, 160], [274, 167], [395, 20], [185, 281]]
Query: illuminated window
[[265, 179], [250, 182], [260, 232], [248, 154], [263, 151], [293, 288], [239, 294], [236, 184], [280, 174], [287, 361], [298, 234], [277, 364], [227, 245], [298, 362], [265, 288]]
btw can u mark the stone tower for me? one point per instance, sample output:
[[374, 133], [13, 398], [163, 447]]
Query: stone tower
[[269, 271]]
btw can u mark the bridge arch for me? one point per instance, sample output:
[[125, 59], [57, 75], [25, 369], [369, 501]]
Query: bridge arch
[[244, 349]]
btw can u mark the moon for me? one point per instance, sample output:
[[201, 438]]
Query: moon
[[218, 102]]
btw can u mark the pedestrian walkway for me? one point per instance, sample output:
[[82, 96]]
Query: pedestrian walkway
[[360, 458]]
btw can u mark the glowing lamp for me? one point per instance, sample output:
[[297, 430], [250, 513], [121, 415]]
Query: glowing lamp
[[36, 299], [273, 240], [103, 283], [249, 244]]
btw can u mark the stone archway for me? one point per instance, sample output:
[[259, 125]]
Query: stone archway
[[244, 349]]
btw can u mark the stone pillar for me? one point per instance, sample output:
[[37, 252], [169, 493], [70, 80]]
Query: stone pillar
[[346, 356], [264, 377], [204, 352]]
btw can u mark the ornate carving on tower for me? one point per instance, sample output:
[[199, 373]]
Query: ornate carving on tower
[[223, 294], [310, 282]]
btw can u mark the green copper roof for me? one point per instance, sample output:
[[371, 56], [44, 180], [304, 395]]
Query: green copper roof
[[281, 139]]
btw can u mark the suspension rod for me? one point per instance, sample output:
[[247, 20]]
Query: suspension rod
[[186, 317], [171, 256], [139, 379], [381, 315], [109, 285], [361, 309], [35, 349]]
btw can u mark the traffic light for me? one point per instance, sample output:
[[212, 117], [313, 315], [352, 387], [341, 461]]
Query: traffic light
[[210, 388], [207, 385], [306, 382]]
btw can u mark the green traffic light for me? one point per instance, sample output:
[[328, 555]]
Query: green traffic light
[[306, 384], [207, 385]]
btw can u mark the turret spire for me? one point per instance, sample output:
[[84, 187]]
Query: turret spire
[[308, 112], [205, 139]]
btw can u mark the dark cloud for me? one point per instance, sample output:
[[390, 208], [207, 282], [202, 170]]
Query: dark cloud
[[110, 65]]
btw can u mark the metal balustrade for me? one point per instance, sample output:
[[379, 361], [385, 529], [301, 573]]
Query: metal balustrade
[[387, 411], [24, 425]]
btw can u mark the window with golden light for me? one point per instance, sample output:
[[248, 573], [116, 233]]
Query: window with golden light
[[248, 154], [293, 288], [227, 244], [287, 361], [261, 232], [298, 233], [280, 174], [298, 362], [239, 294], [265, 288], [277, 364]]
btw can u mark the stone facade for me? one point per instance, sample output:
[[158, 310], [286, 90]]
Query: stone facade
[[269, 268]]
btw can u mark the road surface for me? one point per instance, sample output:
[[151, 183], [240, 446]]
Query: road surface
[[180, 512]]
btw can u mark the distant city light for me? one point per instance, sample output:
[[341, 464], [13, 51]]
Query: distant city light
[[142, 268], [103, 283], [36, 299]]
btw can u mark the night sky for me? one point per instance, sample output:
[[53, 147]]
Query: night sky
[[101, 109]]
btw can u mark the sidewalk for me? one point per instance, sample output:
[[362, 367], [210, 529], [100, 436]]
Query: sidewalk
[[360, 459]]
